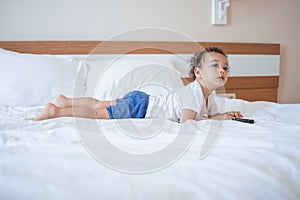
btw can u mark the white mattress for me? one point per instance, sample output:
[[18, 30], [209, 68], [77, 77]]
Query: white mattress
[[49, 160]]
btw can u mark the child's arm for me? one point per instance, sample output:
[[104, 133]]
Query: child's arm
[[227, 116], [190, 114], [186, 115]]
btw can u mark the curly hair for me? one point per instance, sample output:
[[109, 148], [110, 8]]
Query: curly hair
[[196, 60]]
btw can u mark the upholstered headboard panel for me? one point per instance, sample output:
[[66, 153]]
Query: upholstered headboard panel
[[255, 66]]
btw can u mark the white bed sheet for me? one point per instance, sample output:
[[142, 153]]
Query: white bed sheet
[[47, 160]]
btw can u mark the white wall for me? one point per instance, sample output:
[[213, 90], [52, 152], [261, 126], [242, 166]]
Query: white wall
[[273, 21]]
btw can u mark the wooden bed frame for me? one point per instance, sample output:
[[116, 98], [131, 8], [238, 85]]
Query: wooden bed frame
[[252, 88]]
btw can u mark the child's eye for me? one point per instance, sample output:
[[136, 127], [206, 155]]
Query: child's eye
[[226, 69], [214, 65]]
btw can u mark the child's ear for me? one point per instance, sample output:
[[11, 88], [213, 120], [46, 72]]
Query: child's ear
[[197, 72]]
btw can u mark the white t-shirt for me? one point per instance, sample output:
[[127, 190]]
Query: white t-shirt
[[188, 97]]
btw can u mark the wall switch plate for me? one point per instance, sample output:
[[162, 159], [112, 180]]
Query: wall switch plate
[[219, 12]]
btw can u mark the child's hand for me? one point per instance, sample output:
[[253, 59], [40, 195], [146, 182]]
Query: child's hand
[[228, 115], [233, 114]]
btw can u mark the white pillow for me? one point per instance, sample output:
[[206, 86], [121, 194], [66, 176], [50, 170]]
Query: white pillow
[[31, 79], [95, 69], [124, 75]]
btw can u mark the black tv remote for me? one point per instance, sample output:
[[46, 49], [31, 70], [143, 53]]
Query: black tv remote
[[250, 121]]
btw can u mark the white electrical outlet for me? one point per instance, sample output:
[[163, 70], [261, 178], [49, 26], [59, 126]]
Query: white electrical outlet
[[227, 95], [219, 12]]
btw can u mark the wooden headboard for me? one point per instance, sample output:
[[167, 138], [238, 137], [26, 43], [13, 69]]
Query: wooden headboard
[[251, 88]]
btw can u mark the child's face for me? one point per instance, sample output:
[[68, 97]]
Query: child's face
[[214, 71]]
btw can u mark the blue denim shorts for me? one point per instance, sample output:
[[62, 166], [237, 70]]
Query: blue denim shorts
[[132, 105]]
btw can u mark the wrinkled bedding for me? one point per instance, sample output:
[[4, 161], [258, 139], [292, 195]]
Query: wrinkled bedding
[[52, 159]]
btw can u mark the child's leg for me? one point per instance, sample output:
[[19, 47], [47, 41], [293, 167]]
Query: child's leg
[[62, 101], [52, 111]]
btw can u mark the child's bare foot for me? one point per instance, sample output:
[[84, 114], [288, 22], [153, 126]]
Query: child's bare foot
[[49, 111], [61, 101]]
